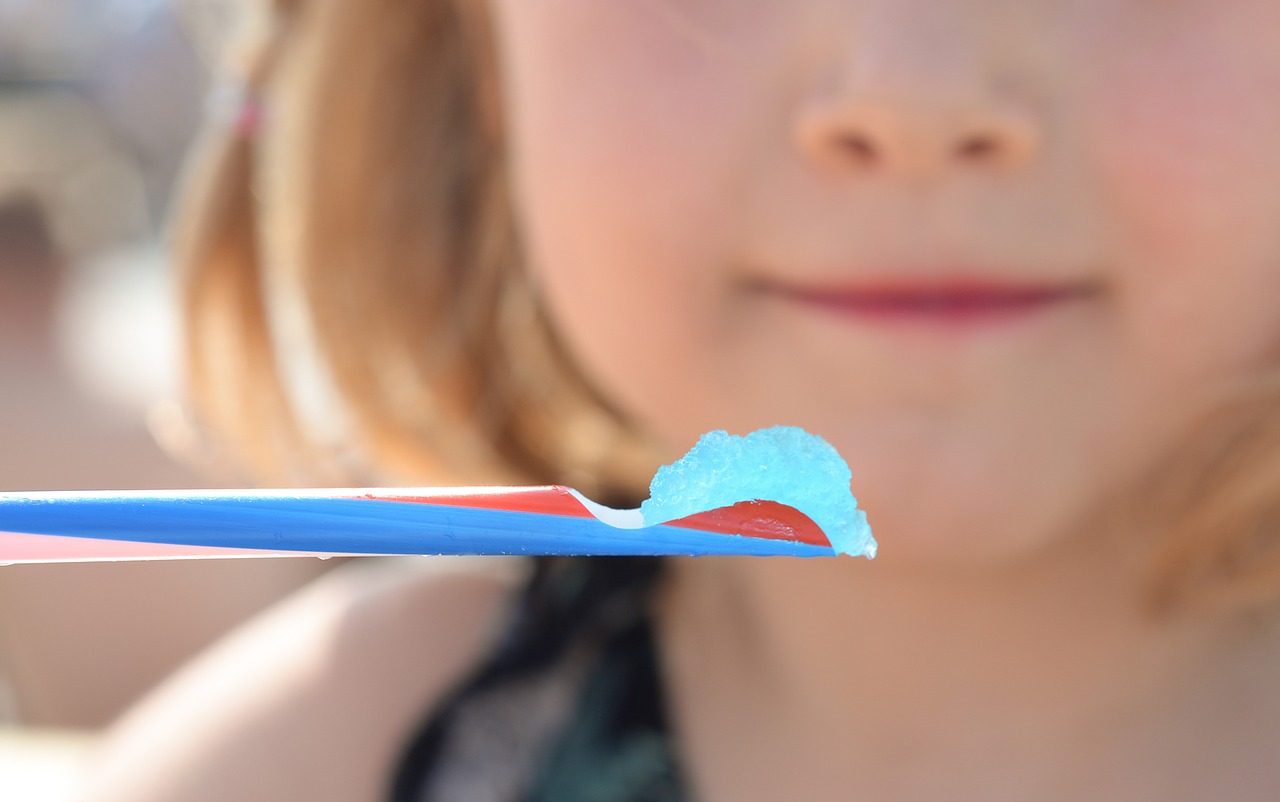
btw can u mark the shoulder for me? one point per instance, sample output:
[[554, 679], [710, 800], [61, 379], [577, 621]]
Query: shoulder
[[314, 699]]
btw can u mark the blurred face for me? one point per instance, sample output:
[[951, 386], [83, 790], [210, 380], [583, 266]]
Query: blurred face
[[999, 252]]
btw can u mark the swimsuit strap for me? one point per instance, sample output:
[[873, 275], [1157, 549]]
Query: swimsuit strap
[[569, 706]]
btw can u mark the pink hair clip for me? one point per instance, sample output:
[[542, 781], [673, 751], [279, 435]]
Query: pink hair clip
[[237, 106]]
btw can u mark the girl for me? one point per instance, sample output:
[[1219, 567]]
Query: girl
[[1018, 261]]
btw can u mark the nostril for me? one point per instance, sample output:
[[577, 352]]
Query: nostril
[[977, 148], [858, 146]]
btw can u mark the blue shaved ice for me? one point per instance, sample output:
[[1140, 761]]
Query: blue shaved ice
[[785, 464]]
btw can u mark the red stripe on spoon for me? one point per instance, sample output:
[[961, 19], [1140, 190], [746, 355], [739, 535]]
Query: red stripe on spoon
[[763, 519]]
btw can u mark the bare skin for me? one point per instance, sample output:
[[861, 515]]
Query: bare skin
[[691, 175], [694, 178], [313, 701], [950, 691], [781, 162], [1041, 700]]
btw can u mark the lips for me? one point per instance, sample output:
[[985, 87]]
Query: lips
[[944, 300]]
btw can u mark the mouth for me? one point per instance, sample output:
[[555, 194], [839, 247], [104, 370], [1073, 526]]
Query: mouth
[[947, 302]]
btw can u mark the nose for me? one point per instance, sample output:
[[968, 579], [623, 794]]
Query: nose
[[910, 109]]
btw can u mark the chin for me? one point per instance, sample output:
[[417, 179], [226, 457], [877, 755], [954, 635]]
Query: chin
[[940, 525]]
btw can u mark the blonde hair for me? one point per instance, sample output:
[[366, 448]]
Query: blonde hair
[[1217, 506], [378, 189]]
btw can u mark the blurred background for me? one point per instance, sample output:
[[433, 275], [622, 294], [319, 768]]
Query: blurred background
[[99, 100]]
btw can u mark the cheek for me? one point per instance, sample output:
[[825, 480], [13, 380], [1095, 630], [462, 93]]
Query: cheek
[[626, 135], [1187, 124]]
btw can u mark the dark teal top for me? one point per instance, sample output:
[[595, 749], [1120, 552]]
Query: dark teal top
[[568, 708]]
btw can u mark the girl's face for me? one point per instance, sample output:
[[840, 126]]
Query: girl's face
[[998, 252]]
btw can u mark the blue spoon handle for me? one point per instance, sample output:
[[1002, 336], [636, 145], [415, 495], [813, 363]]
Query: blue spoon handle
[[291, 522]]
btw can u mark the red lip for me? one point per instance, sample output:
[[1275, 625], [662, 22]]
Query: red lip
[[936, 301]]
